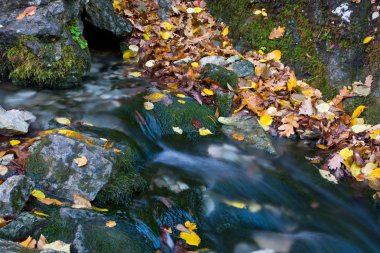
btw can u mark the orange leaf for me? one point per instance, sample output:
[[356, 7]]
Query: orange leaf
[[29, 11]]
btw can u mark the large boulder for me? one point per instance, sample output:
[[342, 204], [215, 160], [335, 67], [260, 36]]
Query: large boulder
[[23, 226], [52, 166], [14, 122], [14, 193], [46, 47]]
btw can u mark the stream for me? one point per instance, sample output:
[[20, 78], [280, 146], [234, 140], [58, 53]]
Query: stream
[[247, 200]]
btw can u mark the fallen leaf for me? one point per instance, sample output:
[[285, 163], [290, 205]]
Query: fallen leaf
[[3, 170], [178, 130], [39, 213], [38, 194], [346, 153], [367, 39], [327, 175], [148, 106], [181, 101], [81, 161], [204, 131], [266, 120], [237, 136], [29, 11], [155, 97], [100, 209], [208, 92], [165, 35], [50, 201], [292, 82], [191, 238], [134, 48], [225, 31], [80, 202], [59, 246], [150, 63], [358, 111], [359, 128], [41, 242], [135, 74], [110, 224], [14, 142], [195, 64], [307, 108], [29, 243], [63, 121], [323, 107], [236, 204], [277, 32]]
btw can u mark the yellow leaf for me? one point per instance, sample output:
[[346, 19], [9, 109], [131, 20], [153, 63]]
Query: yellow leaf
[[39, 213], [155, 97], [359, 128], [63, 121], [148, 106], [165, 35], [167, 25], [292, 82], [110, 224], [146, 36], [2, 153], [208, 92], [195, 64], [38, 194], [346, 153], [28, 243], [190, 238], [257, 12], [129, 54], [81, 202], [374, 174], [180, 95], [190, 225], [321, 146], [14, 142], [375, 135], [135, 74], [197, 9], [181, 101], [308, 92], [236, 204], [204, 131], [355, 170], [358, 111], [274, 55], [81, 161], [100, 209], [225, 31], [266, 120], [367, 39]]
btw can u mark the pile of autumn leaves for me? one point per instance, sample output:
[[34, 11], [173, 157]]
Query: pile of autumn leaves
[[285, 105]]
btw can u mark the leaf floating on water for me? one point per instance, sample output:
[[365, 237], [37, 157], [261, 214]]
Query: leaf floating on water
[[204, 131], [155, 97], [81, 202], [178, 130], [63, 121], [110, 224], [81, 161], [236, 204], [148, 106]]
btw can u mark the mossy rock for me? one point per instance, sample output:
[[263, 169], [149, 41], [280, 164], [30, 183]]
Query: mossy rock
[[32, 61], [220, 75]]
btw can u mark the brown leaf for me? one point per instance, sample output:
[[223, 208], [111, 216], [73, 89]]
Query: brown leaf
[[196, 123], [81, 202], [277, 32], [29, 11]]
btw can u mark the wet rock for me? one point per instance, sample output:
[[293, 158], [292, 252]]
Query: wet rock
[[222, 76], [243, 68], [101, 14], [23, 226], [78, 243], [12, 247], [54, 170], [72, 214], [254, 135], [14, 193], [15, 122], [233, 59], [5, 160], [41, 49], [217, 60]]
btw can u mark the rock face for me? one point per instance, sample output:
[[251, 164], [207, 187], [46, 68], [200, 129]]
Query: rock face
[[54, 170], [15, 122], [47, 48], [14, 192], [23, 226]]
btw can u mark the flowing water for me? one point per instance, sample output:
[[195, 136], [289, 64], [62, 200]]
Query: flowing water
[[244, 200]]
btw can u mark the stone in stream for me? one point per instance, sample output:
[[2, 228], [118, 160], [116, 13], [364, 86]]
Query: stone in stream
[[108, 176], [220, 75], [14, 193], [23, 226], [217, 60], [15, 122], [247, 126]]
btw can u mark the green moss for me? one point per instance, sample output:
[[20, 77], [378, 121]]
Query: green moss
[[225, 102], [222, 76], [297, 45], [124, 182], [44, 69], [37, 167]]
